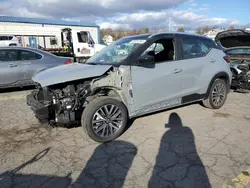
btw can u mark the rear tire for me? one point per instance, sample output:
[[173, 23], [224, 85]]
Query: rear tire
[[217, 95], [104, 119]]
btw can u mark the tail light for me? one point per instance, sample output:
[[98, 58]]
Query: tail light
[[67, 62], [227, 58]]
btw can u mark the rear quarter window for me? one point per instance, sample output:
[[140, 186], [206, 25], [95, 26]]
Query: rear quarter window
[[208, 44]]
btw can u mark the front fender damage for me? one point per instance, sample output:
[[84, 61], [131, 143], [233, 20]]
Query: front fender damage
[[65, 102], [110, 84]]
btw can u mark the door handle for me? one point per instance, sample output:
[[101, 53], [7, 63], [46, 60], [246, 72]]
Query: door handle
[[26, 63], [212, 60], [177, 71], [12, 65]]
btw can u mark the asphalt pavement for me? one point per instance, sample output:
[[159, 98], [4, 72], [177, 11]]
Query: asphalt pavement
[[189, 146]]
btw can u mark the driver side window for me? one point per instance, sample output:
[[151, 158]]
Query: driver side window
[[162, 50], [155, 47]]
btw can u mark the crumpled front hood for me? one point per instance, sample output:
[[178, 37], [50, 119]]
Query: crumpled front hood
[[70, 72], [233, 38]]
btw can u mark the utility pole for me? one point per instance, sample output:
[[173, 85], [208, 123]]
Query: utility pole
[[169, 24]]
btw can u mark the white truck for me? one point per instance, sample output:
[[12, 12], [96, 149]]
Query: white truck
[[76, 44]]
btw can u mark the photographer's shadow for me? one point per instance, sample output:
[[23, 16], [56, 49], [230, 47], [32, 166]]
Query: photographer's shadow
[[178, 163], [108, 166]]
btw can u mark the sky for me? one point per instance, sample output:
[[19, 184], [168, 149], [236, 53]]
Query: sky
[[130, 14]]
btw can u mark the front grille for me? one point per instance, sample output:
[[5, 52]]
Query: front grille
[[40, 95]]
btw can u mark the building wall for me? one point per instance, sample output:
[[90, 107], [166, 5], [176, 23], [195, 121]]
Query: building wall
[[20, 29], [108, 39]]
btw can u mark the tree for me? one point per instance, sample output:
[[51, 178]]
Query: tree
[[143, 30], [108, 31], [118, 33], [206, 29], [202, 30], [198, 31], [180, 29], [102, 33]]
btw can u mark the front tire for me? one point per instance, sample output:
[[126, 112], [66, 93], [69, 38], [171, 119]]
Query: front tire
[[104, 119], [217, 95]]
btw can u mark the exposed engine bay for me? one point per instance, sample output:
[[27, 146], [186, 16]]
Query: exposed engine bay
[[236, 44], [241, 75], [63, 103]]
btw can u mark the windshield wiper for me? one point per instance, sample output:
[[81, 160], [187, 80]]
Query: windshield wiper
[[91, 63]]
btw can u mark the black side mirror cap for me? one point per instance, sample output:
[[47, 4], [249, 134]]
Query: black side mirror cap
[[151, 53], [145, 60]]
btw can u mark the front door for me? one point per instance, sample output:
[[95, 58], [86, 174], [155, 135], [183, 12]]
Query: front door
[[161, 84], [9, 67], [81, 46]]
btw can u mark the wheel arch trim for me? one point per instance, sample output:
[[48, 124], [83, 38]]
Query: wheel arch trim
[[216, 76], [118, 92]]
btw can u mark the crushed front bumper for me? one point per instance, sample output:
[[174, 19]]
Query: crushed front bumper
[[40, 109]]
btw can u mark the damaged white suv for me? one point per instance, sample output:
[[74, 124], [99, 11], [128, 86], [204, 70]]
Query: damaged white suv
[[158, 71]]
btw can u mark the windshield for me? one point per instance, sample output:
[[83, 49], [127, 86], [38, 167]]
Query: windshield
[[116, 52]]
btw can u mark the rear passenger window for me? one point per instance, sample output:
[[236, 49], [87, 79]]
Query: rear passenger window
[[8, 55], [26, 55], [194, 47], [189, 48]]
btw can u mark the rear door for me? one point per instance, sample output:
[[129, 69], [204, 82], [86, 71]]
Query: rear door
[[30, 63], [9, 67], [195, 61]]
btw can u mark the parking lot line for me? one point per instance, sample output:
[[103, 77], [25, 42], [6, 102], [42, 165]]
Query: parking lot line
[[241, 181], [12, 97]]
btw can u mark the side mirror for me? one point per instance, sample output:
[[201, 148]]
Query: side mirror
[[151, 53], [145, 60]]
